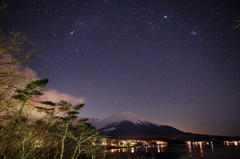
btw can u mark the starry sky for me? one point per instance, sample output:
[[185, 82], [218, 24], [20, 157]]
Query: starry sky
[[172, 62]]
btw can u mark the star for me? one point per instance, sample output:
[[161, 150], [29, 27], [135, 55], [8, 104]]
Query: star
[[193, 32], [72, 32], [158, 55]]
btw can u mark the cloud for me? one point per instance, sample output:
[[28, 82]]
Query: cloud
[[55, 96], [49, 95], [30, 75], [8, 63]]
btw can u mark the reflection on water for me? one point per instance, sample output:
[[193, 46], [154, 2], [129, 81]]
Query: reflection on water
[[192, 149], [158, 148], [229, 143], [193, 145]]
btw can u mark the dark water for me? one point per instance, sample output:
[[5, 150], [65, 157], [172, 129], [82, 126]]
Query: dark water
[[180, 151]]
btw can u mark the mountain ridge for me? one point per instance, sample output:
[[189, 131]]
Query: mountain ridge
[[119, 117], [129, 124]]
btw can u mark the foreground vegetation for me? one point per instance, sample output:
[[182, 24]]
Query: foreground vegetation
[[58, 134]]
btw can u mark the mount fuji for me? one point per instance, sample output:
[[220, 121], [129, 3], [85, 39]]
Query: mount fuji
[[127, 124]]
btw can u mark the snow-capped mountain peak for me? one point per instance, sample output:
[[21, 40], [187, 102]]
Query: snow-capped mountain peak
[[119, 117], [129, 124]]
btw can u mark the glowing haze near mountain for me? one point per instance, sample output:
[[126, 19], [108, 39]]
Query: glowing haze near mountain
[[171, 62]]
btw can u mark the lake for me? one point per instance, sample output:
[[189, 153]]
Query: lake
[[178, 151]]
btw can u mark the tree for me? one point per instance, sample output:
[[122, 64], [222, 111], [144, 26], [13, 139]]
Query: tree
[[27, 137], [66, 121], [78, 134], [59, 134], [13, 51], [16, 120]]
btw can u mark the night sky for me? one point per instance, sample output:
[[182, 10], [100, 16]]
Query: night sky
[[172, 62]]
